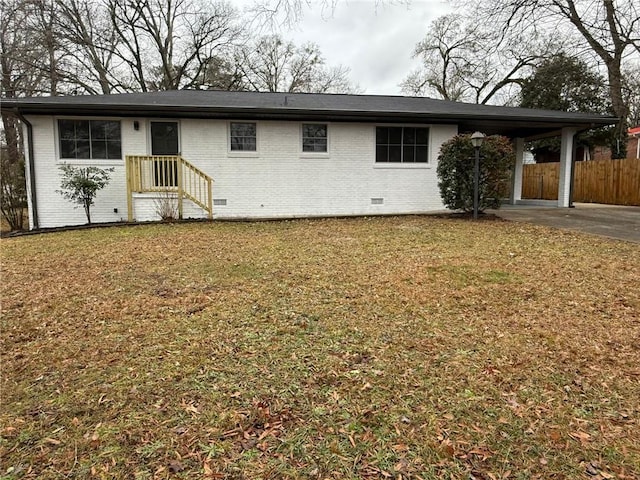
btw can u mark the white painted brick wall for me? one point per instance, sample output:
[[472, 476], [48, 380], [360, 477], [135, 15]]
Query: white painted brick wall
[[53, 209], [278, 181], [147, 206]]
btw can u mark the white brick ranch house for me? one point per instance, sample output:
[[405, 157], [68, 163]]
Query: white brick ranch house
[[262, 155]]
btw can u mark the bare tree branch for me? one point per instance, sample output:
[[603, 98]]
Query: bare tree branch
[[272, 64], [609, 29], [463, 61]]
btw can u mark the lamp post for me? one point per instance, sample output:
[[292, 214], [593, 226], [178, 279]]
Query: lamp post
[[476, 140]]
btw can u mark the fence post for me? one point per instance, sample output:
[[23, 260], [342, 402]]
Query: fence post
[[209, 198], [179, 168], [128, 174]]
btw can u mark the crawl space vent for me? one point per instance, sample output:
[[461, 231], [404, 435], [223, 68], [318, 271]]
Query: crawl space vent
[[219, 201], [377, 201]]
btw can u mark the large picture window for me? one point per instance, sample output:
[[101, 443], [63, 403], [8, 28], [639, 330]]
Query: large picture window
[[243, 137], [90, 139], [402, 145], [314, 137]]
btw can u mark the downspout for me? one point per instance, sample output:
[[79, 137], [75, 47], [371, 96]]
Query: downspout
[[32, 169]]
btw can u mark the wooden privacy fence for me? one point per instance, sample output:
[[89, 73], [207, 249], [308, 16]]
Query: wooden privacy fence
[[168, 173], [615, 182], [540, 181]]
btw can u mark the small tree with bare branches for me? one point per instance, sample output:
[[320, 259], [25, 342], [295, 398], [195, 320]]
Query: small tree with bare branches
[[81, 184]]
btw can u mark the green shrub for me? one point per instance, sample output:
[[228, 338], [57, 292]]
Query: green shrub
[[81, 184], [455, 172]]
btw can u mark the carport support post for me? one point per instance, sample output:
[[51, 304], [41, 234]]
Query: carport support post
[[566, 164], [516, 185]]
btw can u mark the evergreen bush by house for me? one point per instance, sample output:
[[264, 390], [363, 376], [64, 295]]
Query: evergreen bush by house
[[455, 172]]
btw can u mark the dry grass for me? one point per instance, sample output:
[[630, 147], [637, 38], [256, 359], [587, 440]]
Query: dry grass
[[412, 347]]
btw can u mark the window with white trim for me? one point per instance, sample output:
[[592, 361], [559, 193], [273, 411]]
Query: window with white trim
[[89, 139], [402, 145], [243, 137], [314, 137]]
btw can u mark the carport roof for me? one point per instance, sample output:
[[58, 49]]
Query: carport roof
[[510, 121]]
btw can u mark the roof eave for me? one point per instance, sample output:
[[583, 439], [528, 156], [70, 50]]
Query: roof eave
[[528, 126]]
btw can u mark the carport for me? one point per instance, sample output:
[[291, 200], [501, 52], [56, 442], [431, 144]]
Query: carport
[[537, 125]]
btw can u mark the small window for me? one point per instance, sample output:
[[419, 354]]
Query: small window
[[402, 145], [243, 137], [314, 137], [90, 139]]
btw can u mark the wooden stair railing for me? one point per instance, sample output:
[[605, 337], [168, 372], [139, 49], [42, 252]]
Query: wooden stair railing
[[168, 173]]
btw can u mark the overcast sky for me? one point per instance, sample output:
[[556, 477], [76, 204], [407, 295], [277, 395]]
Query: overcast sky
[[375, 42]]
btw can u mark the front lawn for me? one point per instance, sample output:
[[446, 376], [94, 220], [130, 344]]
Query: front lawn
[[404, 347]]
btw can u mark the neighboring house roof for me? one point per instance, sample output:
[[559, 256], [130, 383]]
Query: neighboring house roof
[[634, 131], [490, 119]]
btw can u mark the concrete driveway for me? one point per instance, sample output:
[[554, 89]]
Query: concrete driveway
[[612, 221]]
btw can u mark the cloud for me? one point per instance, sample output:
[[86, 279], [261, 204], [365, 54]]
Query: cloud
[[375, 42]]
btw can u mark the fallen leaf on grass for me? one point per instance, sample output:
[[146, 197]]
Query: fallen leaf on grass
[[555, 435], [231, 433], [582, 437], [481, 452], [209, 473], [401, 447], [190, 407], [447, 448], [175, 466]]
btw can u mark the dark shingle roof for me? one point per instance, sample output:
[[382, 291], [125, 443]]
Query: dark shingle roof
[[300, 106]]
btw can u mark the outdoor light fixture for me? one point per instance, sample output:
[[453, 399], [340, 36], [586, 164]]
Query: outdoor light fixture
[[476, 140], [136, 125]]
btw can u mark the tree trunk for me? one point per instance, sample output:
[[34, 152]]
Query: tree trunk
[[620, 108], [87, 211], [12, 138]]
